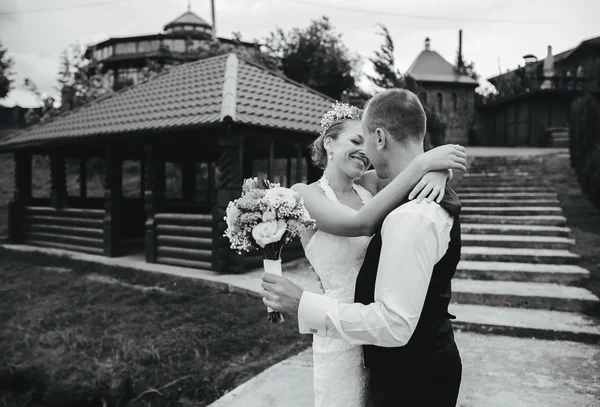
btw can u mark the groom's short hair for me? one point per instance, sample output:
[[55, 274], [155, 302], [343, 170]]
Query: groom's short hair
[[398, 111]]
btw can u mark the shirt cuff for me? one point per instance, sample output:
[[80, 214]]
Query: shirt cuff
[[312, 312]]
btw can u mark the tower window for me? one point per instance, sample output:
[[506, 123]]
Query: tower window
[[423, 97], [455, 102], [440, 102]]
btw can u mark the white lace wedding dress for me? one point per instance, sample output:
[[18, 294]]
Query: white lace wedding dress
[[340, 380]]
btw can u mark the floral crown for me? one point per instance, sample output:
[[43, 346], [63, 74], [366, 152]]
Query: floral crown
[[340, 111]]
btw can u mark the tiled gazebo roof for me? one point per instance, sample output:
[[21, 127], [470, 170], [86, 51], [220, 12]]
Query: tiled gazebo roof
[[191, 95]]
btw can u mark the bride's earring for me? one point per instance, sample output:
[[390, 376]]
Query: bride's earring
[[330, 156]]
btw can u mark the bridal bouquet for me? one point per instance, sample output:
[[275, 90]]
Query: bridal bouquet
[[266, 217]]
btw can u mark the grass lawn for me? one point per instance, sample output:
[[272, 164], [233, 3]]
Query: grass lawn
[[87, 327]]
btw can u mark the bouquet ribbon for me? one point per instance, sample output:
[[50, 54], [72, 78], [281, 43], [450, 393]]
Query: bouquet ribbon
[[273, 267]]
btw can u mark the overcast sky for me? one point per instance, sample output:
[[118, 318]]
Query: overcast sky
[[492, 29]]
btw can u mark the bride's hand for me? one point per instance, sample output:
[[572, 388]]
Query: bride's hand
[[448, 156], [432, 186]]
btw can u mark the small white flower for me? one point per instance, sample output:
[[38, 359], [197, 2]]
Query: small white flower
[[268, 216], [278, 196]]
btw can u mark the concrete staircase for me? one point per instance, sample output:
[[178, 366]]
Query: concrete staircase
[[518, 275], [558, 136]]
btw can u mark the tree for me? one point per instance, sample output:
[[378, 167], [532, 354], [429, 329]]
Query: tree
[[6, 73], [74, 78], [316, 57], [465, 68], [388, 77]]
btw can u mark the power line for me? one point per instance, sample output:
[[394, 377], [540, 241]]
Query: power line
[[425, 17], [41, 10]]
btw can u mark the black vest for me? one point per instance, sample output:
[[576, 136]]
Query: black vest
[[433, 333]]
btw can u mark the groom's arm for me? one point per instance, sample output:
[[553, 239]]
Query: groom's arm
[[412, 243]]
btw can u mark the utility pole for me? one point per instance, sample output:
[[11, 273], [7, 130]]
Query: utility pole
[[212, 3]]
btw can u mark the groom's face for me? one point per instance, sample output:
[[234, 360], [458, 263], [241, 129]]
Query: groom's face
[[372, 150]]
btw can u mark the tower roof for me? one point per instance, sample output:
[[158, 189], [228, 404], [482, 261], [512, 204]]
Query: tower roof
[[430, 66], [188, 18]]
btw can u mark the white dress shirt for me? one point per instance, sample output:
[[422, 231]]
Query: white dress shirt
[[415, 236]]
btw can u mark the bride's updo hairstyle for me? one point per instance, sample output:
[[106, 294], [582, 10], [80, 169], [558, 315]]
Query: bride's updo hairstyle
[[333, 125]]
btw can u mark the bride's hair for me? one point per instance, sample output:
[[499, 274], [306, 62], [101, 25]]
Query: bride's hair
[[318, 154], [333, 123]]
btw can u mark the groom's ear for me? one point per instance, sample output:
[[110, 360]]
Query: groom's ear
[[380, 138]]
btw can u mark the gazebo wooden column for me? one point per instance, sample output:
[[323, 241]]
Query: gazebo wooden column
[[230, 176], [113, 202], [21, 197], [58, 180], [154, 192], [83, 176]]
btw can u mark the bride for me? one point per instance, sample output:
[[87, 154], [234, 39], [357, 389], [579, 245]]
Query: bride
[[348, 204]]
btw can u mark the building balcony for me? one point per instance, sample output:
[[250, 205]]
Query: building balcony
[[519, 87]]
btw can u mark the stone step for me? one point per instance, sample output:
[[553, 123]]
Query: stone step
[[537, 220], [526, 272], [514, 210], [518, 241], [500, 189], [483, 203], [496, 174], [538, 256], [508, 196], [512, 183], [525, 230], [521, 322], [549, 296]]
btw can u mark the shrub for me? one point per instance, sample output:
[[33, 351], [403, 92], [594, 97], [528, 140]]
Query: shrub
[[584, 145], [592, 171]]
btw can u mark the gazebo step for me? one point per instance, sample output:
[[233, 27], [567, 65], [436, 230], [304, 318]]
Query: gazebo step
[[183, 219], [527, 272], [63, 246], [185, 242], [64, 239], [191, 231], [518, 241], [66, 212], [517, 210], [544, 256], [525, 230], [184, 254], [484, 202], [59, 221], [64, 230], [555, 297], [521, 322], [538, 220], [201, 265]]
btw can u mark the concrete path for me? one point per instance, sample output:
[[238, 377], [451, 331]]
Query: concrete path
[[497, 372]]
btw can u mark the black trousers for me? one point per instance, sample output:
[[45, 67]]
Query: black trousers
[[433, 383]]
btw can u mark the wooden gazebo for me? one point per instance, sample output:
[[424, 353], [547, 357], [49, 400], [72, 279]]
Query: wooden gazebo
[[226, 115]]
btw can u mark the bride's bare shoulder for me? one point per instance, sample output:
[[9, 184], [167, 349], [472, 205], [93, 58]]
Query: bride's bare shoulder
[[370, 181], [304, 188]]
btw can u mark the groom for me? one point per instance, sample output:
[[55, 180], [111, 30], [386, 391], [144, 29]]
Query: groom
[[402, 293]]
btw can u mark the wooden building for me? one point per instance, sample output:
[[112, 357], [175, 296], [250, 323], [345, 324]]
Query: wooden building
[[533, 103], [448, 92], [219, 120], [122, 61]]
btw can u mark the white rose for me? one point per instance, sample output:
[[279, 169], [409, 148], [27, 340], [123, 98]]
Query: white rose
[[279, 195], [268, 216], [269, 232]]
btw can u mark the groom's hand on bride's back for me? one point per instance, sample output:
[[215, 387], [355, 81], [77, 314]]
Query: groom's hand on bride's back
[[280, 293]]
